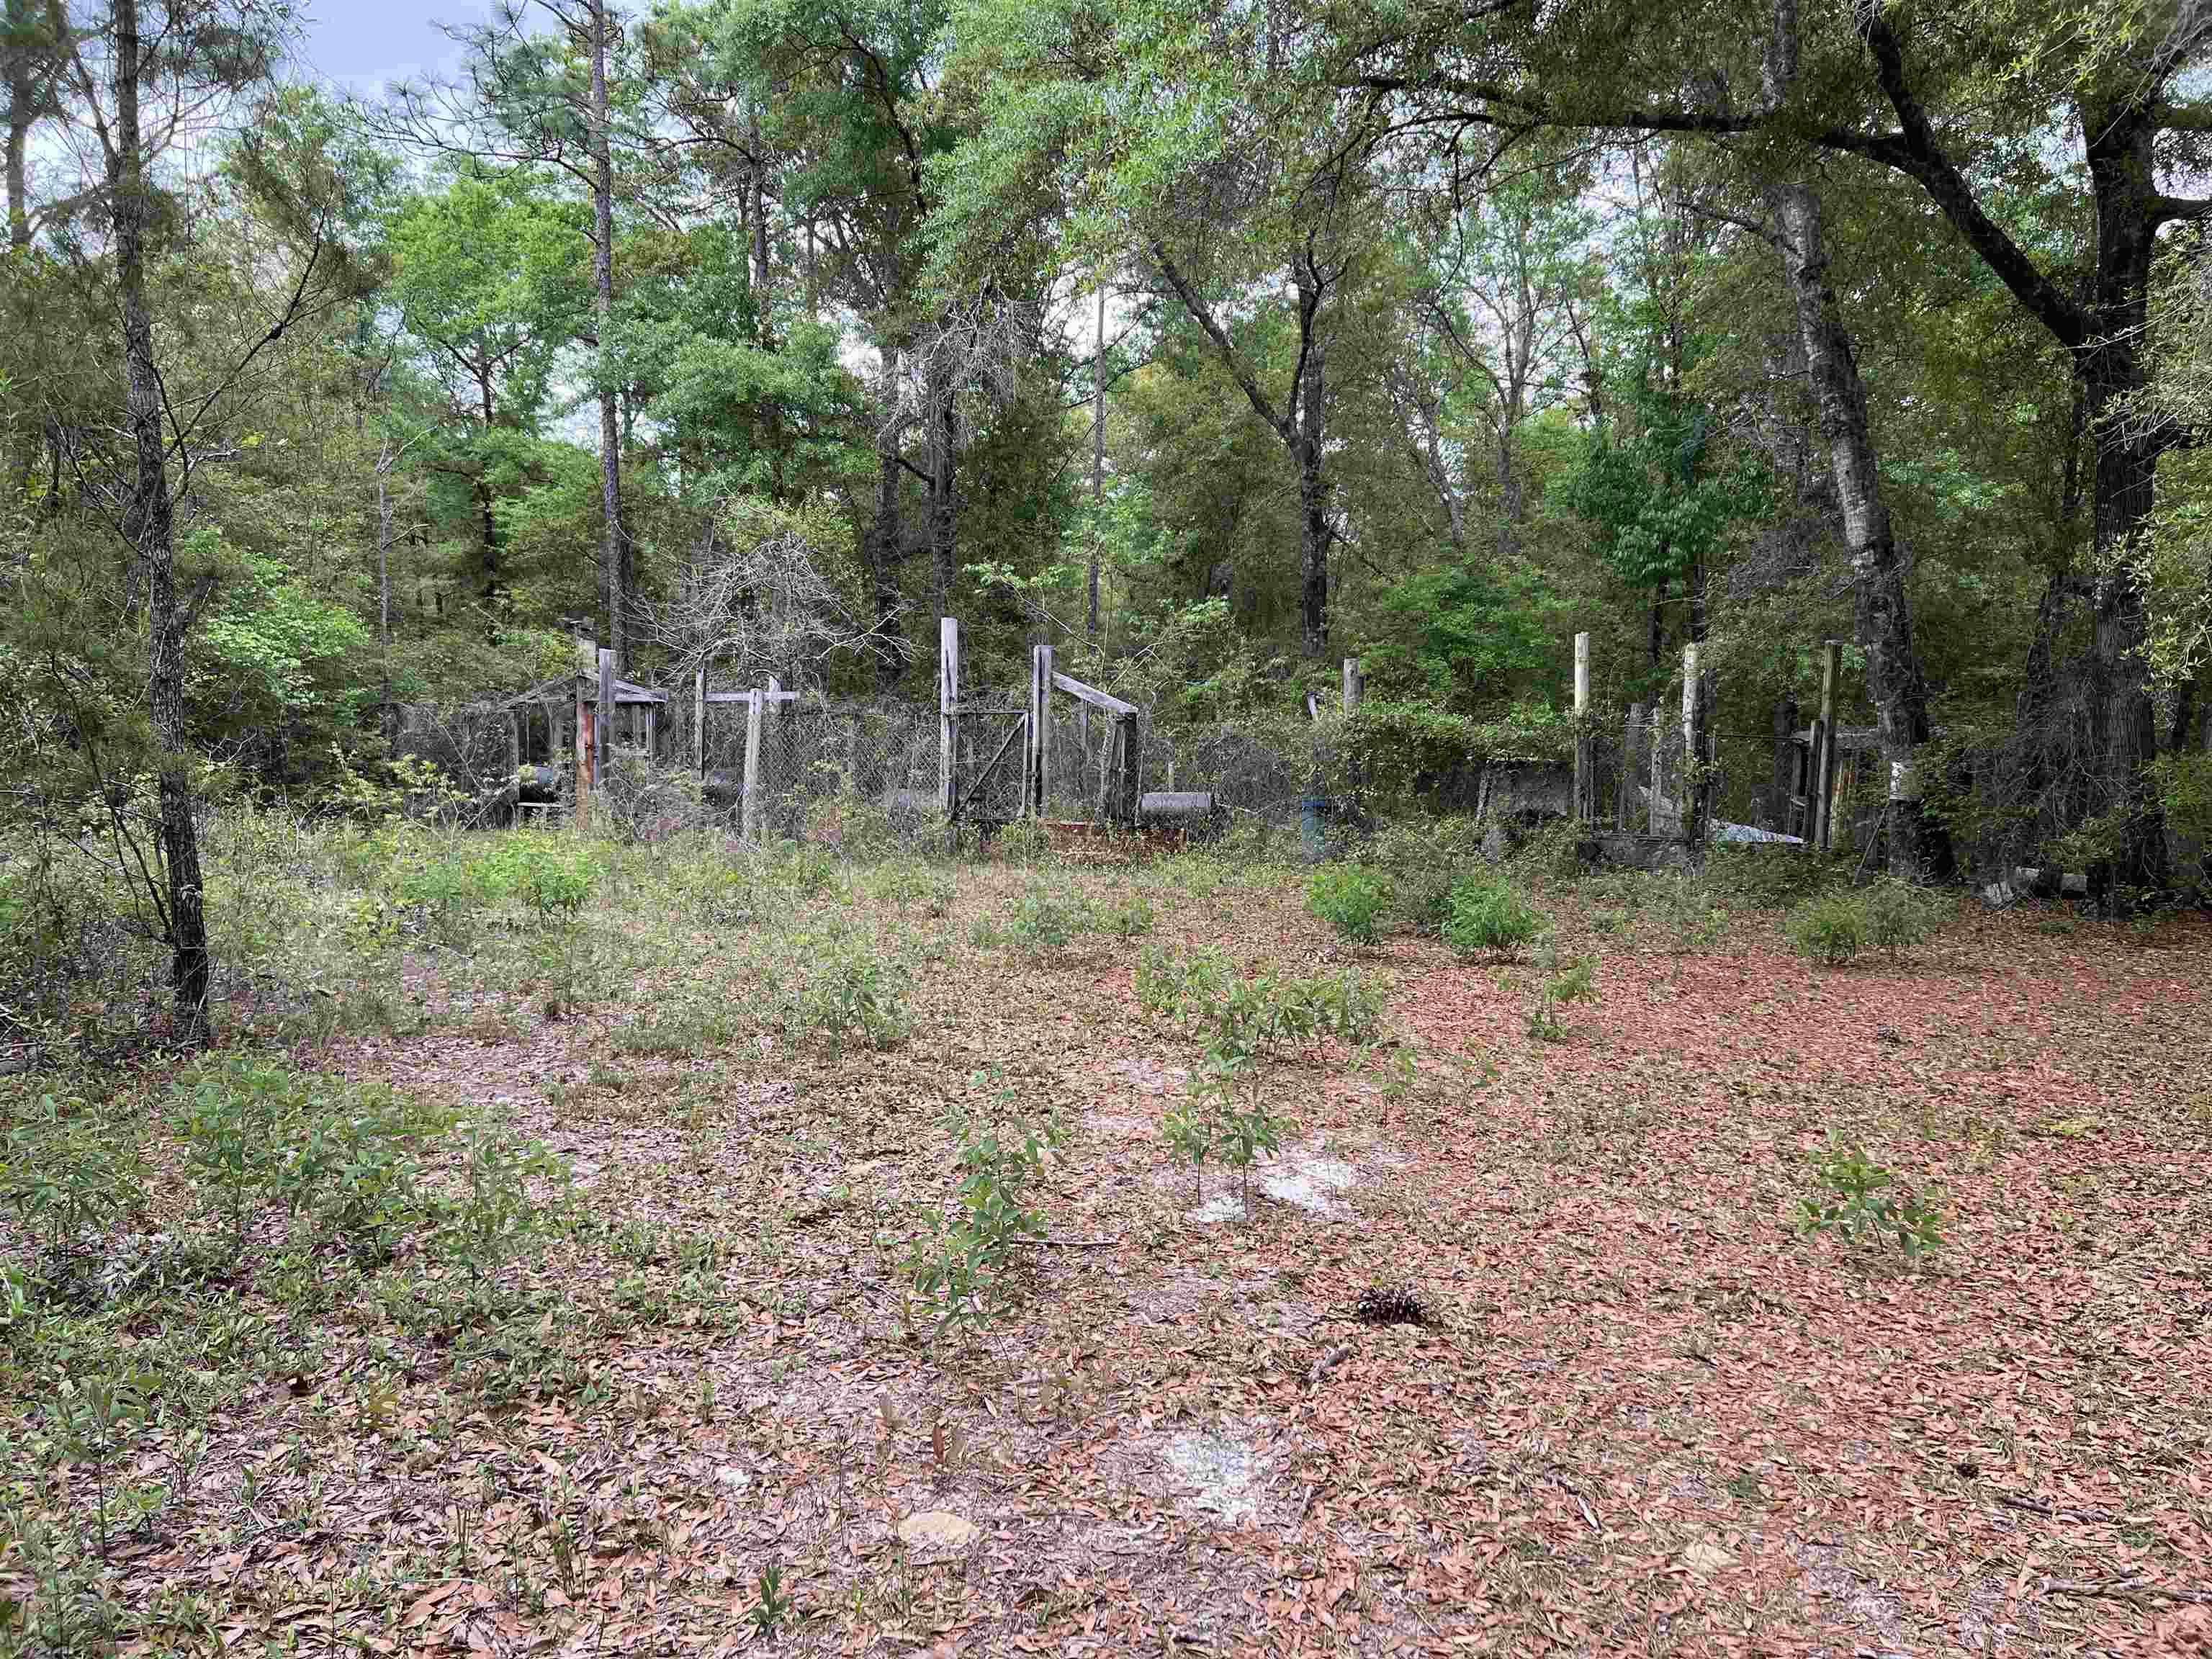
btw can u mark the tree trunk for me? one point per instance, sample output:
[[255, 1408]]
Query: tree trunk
[[756, 210], [1097, 464], [2122, 723], [943, 505], [1919, 846], [149, 525], [884, 538], [615, 565], [1313, 502]]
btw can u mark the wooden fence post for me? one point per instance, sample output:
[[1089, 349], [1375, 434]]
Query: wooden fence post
[[1696, 803], [1784, 781], [948, 715], [602, 720], [1585, 793], [1631, 754], [750, 819], [699, 721], [1824, 749], [1354, 684], [1041, 726]]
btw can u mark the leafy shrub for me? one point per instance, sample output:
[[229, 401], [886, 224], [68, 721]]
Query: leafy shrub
[[1350, 898], [1899, 916], [1553, 850], [1488, 914], [961, 1261], [1046, 919], [1421, 902], [1130, 917], [1771, 875], [494, 1217], [858, 997], [1853, 1196], [67, 1179], [1689, 915], [1829, 929], [554, 875]]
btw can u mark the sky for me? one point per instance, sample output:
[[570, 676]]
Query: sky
[[360, 45]]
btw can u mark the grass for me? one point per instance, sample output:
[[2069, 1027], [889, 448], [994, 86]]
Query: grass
[[215, 1413]]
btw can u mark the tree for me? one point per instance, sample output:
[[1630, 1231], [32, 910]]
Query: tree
[[1176, 146], [1925, 102], [191, 66]]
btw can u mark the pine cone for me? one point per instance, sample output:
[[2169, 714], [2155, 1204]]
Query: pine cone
[[1390, 1304]]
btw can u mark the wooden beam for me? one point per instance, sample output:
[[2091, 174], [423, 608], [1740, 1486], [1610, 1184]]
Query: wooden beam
[[1129, 759], [699, 721], [1093, 696]]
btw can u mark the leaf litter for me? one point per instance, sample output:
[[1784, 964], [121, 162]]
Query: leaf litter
[[1639, 1414]]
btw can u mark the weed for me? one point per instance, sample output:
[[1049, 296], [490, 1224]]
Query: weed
[[856, 998], [771, 1606], [1573, 980], [1899, 916], [1854, 1197], [1689, 914], [1351, 898], [961, 1261], [1831, 929], [1488, 914]]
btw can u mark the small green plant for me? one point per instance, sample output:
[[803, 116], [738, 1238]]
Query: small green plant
[[1688, 912], [67, 1181], [1560, 984], [1350, 897], [1244, 1129], [1831, 929], [1899, 916], [1859, 1199], [961, 1261], [1190, 1130], [494, 1217], [1130, 917], [1490, 915], [1046, 919], [856, 998], [771, 1606]]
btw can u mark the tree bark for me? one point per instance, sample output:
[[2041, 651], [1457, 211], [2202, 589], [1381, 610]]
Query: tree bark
[[149, 524], [884, 537], [616, 567], [1313, 487], [1097, 464], [2121, 722], [1919, 846]]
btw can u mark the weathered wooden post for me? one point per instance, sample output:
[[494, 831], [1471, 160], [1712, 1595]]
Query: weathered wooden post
[[1041, 727], [1696, 786], [1784, 782], [1824, 749], [1585, 790], [699, 721], [603, 718], [1128, 758], [1631, 767], [586, 663], [948, 717], [750, 818], [1354, 684]]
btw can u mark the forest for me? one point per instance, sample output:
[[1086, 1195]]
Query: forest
[[530, 1122]]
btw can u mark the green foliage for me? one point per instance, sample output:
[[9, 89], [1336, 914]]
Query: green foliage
[[856, 997], [1489, 914], [963, 1261], [1767, 876], [1560, 984], [1351, 899], [1046, 919], [1829, 929], [1241, 1016], [1690, 918], [68, 1178], [496, 1216], [1386, 751], [1854, 1197], [1899, 915], [553, 873]]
